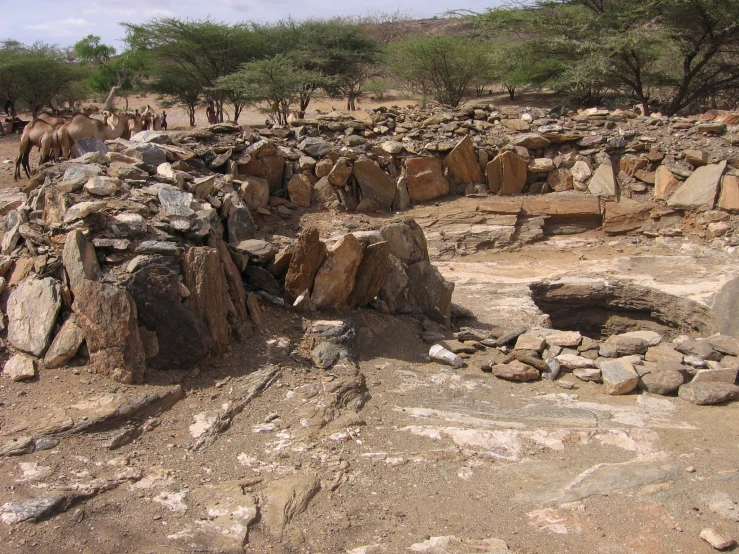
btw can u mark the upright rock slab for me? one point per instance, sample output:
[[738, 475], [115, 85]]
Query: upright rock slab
[[32, 310], [726, 308], [375, 183], [665, 183], [431, 292], [65, 344], [462, 163], [698, 192], [603, 183], [370, 275], [79, 259], [307, 257], [425, 179], [209, 299], [335, 278], [506, 174], [729, 199], [108, 318]]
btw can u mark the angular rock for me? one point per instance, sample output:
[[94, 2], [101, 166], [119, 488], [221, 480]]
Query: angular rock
[[425, 179], [80, 261], [725, 308], [729, 198], [463, 164], [530, 341], [307, 257], [109, 322], [532, 141], [85, 145], [32, 310], [236, 289], [569, 339], [66, 343], [335, 278], [725, 345], [581, 171], [20, 367], [370, 275], [706, 394], [721, 375], [663, 382], [516, 371], [560, 180], [394, 291], [102, 186], [209, 300], [183, 337], [125, 171], [573, 361], [82, 210], [603, 183], [240, 224], [300, 189], [698, 192], [506, 174], [541, 165], [440, 354], [716, 540], [315, 147], [588, 374], [148, 153], [255, 191], [407, 241], [323, 192], [340, 173], [627, 345], [375, 183], [431, 292], [286, 498], [259, 251], [619, 376], [665, 183]]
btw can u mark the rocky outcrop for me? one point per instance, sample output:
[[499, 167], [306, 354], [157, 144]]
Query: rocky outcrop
[[307, 257], [335, 278], [32, 311]]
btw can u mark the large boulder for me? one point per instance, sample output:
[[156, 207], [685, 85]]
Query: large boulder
[[335, 278], [375, 183], [255, 191], [506, 174], [32, 310], [406, 240], [463, 164], [425, 178], [698, 192], [206, 281], [300, 189], [183, 337], [394, 290], [307, 257], [108, 318]]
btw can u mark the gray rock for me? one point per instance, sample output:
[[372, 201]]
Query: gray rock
[[431, 292], [240, 224], [128, 224], [720, 375], [176, 207], [725, 308], [375, 183], [315, 147], [80, 261], [603, 183], [325, 354], [166, 248], [149, 153], [440, 354], [725, 344], [698, 192], [87, 145], [619, 376], [705, 394], [626, 345], [406, 240], [259, 251], [76, 175], [588, 374], [32, 310], [125, 171]]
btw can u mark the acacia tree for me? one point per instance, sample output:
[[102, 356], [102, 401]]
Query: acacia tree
[[110, 73], [680, 50], [197, 51], [276, 81], [440, 65]]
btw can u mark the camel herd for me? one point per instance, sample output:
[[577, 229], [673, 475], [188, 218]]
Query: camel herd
[[55, 136]]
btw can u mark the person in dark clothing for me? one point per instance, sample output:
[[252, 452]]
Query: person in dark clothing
[[211, 113], [164, 120]]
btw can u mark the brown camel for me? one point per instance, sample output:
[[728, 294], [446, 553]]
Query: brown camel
[[37, 133], [82, 126]]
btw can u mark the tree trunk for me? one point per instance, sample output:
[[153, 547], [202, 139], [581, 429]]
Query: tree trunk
[[511, 92], [111, 98]]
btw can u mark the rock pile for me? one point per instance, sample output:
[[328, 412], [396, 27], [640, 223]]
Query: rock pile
[[133, 260], [702, 371]]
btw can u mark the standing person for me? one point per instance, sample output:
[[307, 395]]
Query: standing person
[[164, 120], [211, 113]]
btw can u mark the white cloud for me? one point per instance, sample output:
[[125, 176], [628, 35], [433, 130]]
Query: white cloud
[[75, 22]]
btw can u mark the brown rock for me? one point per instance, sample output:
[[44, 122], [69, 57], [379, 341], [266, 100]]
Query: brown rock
[[308, 256], [662, 382], [233, 277], [515, 371], [462, 163], [254, 191], [255, 312], [425, 178], [267, 167], [335, 278], [370, 275], [340, 173], [729, 199], [632, 164], [300, 189], [109, 322], [665, 183], [506, 174], [561, 180], [209, 300], [696, 158]]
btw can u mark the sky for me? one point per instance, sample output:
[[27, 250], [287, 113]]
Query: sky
[[64, 22]]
